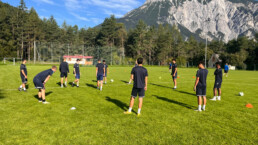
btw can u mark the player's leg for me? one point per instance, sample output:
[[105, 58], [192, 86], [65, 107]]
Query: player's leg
[[199, 100], [43, 93], [62, 81], [101, 85], [204, 103], [130, 106], [66, 79], [215, 93], [175, 83], [40, 96], [219, 94], [78, 82]]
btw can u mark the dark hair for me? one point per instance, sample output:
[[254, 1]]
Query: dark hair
[[99, 59], [173, 59], [201, 62], [104, 60], [78, 60], [24, 59], [54, 67], [218, 63], [140, 60]]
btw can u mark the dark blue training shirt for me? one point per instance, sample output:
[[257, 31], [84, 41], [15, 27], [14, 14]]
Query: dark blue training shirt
[[202, 75], [23, 67], [100, 67], [77, 68], [174, 66], [218, 75], [106, 66], [139, 74], [64, 67], [43, 75]]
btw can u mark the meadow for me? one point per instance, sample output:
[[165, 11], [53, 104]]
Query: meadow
[[168, 115]]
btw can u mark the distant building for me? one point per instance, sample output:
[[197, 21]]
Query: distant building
[[84, 60]]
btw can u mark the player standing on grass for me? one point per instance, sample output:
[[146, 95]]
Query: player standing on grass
[[226, 68], [40, 80], [100, 73], [23, 74], [140, 76], [106, 71], [200, 86], [64, 70], [174, 72], [76, 72], [218, 82]]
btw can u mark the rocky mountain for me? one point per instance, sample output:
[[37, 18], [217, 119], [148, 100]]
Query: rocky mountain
[[215, 19]]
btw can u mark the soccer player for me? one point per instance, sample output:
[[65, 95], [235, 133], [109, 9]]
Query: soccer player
[[64, 70], [226, 68], [23, 74], [174, 72], [100, 73], [76, 72], [218, 82], [140, 76], [40, 80], [200, 86], [106, 71]]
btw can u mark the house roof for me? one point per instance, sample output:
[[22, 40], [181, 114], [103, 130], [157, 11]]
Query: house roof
[[77, 56]]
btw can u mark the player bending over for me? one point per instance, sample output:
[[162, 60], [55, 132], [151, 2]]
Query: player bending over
[[140, 76], [40, 80], [76, 72], [64, 70], [218, 82], [174, 72], [226, 69], [106, 71], [200, 86], [100, 73], [23, 74]]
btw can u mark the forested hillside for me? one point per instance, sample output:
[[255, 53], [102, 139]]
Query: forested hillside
[[20, 27]]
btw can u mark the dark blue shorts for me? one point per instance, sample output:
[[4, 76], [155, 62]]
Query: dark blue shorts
[[225, 71], [105, 74], [217, 85], [24, 80], [38, 84], [100, 77], [201, 91], [138, 92], [77, 76], [174, 77], [63, 74]]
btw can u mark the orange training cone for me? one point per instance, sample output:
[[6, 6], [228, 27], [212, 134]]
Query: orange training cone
[[249, 105]]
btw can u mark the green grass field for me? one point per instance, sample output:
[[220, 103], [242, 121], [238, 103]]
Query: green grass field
[[167, 114]]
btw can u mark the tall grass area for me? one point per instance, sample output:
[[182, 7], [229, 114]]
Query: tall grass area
[[168, 115]]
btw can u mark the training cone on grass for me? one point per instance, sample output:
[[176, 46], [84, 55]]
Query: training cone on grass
[[249, 105]]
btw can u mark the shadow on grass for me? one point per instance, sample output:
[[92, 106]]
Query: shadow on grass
[[59, 83], [174, 102], [46, 94], [71, 84], [1, 95], [161, 86], [27, 86], [118, 103], [184, 92], [91, 85], [124, 81], [94, 81]]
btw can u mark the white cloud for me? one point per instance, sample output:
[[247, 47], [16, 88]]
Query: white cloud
[[117, 15], [45, 1], [72, 4], [79, 17]]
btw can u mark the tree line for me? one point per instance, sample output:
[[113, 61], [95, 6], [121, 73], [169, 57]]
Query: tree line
[[20, 27]]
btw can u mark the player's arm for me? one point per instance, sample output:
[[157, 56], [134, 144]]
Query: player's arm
[[146, 83], [74, 71], [175, 71], [196, 83], [97, 71], [104, 71], [46, 79], [132, 77], [22, 71]]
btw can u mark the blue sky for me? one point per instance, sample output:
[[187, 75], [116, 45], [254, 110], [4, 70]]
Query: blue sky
[[84, 13]]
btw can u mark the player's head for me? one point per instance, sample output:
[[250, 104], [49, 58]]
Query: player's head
[[78, 60], [99, 60], [24, 60], [104, 61], [201, 64], [54, 68], [139, 61], [174, 61], [64, 59], [226, 63], [217, 65]]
